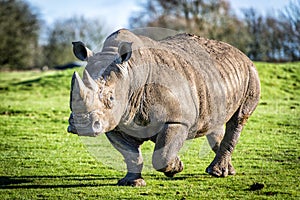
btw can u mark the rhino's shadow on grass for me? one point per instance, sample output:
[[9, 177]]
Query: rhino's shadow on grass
[[28, 82], [71, 181], [47, 80], [48, 182]]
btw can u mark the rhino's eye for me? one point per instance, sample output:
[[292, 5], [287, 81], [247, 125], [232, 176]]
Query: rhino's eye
[[110, 103]]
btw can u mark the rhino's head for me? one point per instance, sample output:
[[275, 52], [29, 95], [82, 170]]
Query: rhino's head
[[97, 100]]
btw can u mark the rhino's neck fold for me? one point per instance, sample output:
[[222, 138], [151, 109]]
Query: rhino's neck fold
[[138, 76]]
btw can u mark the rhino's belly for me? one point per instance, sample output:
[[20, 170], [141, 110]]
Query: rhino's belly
[[143, 132]]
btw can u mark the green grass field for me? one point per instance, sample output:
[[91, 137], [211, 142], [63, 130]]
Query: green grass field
[[40, 160]]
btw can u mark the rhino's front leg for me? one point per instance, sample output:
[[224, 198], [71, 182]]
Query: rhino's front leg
[[129, 147], [168, 143]]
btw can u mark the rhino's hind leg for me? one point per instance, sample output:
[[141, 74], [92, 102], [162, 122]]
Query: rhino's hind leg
[[168, 144], [129, 147], [221, 165], [214, 139]]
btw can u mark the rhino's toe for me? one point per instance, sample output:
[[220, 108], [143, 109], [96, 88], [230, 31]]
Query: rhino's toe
[[231, 170]]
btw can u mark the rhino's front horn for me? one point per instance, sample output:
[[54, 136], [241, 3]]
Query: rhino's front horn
[[89, 82], [78, 94]]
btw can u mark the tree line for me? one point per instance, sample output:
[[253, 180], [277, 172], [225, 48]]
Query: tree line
[[25, 46], [273, 37]]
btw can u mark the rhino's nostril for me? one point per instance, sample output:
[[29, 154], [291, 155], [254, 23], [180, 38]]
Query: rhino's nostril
[[97, 125]]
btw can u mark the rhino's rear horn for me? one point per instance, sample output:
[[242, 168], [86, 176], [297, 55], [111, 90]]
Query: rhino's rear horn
[[89, 82]]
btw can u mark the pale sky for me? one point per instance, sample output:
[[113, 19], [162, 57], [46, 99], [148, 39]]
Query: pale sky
[[115, 13]]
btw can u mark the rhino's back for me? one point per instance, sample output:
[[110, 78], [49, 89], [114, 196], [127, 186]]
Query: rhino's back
[[218, 75]]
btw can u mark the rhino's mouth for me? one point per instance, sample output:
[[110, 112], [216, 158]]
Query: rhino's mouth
[[85, 127], [71, 127]]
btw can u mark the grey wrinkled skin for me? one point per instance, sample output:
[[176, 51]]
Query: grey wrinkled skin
[[183, 87]]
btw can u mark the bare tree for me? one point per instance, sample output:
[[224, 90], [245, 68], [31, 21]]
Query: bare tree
[[290, 20], [58, 51], [274, 38], [256, 48]]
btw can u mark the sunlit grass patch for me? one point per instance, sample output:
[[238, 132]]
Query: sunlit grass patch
[[40, 160]]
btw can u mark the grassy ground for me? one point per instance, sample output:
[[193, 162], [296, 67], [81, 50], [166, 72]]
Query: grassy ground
[[39, 159]]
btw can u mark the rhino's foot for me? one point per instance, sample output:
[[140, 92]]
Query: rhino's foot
[[132, 179], [178, 168], [130, 182], [173, 168], [221, 168]]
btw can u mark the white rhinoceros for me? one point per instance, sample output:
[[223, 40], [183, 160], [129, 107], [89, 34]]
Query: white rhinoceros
[[183, 87]]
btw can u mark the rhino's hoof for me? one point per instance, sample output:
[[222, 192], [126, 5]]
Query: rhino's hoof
[[221, 168], [216, 172], [220, 171], [231, 170], [129, 182], [178, 168]]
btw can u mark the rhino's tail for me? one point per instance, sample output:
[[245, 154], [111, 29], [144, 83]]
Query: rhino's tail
[[252, 95]]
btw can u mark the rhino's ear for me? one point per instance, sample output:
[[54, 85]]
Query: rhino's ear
[[125, 51], [81, 51]]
